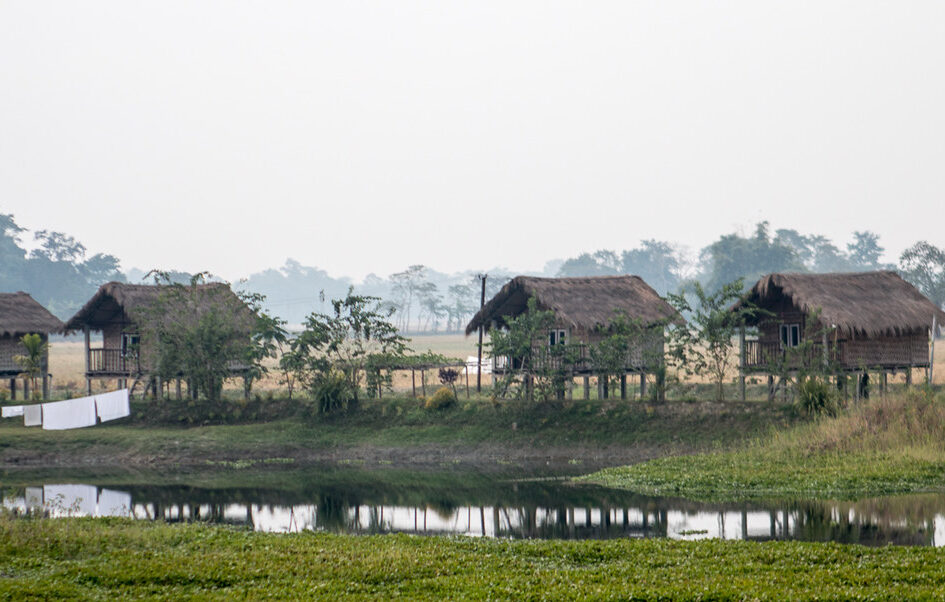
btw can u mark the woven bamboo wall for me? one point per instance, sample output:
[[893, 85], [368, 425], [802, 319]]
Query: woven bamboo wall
[[887, 352]]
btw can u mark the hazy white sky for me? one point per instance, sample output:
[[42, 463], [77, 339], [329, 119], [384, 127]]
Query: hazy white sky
[[366, 136]]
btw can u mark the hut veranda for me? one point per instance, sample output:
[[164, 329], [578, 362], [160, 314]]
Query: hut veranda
[[842, 324], [584, 309], [20, 314]]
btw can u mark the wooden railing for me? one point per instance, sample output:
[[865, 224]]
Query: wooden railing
[[773, 355], [545, 360], [113, 361]]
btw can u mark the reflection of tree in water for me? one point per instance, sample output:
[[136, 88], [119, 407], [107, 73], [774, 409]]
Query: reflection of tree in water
[[332, 512], [821, 521], [444, 508]]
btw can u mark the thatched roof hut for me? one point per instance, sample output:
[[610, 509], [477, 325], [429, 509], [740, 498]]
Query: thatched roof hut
[[118, 301], [127, 314], [21, 314], [582, 303], [863, 304]]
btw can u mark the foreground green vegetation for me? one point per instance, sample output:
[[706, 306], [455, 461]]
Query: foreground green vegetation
[[403, 431], [111, 558], [883, 446]]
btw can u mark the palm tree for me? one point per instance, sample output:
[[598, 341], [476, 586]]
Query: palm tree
[[32, 361]]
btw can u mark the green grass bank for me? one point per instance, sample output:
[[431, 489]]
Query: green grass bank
[[401, 431], [882, 446], [115, 558]]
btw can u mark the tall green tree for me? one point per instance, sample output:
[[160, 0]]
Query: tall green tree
[[865, 251], [336, 348], [406, 289], [202, 331], [600, 263], [923, 265], [733, 257], [658, 263], [706, 344]]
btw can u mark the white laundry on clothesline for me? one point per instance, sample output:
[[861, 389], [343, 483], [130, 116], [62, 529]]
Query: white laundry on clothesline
[[33, 415], [11, 411], [111, 406], [70, 414]]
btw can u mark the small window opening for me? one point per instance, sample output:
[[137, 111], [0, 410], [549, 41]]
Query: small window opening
[[129, 343], [790, 335]]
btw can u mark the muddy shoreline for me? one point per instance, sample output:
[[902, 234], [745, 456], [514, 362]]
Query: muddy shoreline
[[427, 455]]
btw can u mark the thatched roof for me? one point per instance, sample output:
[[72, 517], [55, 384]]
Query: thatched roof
[[863, 304], [113, 298], [584, 303], [21, 314]]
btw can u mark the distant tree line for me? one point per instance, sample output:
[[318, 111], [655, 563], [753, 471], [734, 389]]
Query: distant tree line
[[736, 257], [59, 273]]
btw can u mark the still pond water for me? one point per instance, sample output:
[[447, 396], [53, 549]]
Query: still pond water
[[510, 504]]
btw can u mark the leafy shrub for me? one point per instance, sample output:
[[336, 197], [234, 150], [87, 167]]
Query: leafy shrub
[[815, 396], [331, 391], [442, 399]]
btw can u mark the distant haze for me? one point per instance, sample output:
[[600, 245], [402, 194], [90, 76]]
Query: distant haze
[[366, 136]]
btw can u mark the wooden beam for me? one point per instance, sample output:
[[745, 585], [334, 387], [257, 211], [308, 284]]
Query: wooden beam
[[482, 303], [88, 344], [741, 363]]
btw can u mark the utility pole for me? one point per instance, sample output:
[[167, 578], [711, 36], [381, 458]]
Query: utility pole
[[932, 347], [482, 303]]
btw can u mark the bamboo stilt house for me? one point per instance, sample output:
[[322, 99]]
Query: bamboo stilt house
[[20, 314], [849, 321], [123, 313], [583, 309]]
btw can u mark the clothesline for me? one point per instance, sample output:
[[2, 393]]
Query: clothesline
[[73, 413]]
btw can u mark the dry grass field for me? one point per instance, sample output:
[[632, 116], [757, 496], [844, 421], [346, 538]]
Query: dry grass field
[[67, 364]]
